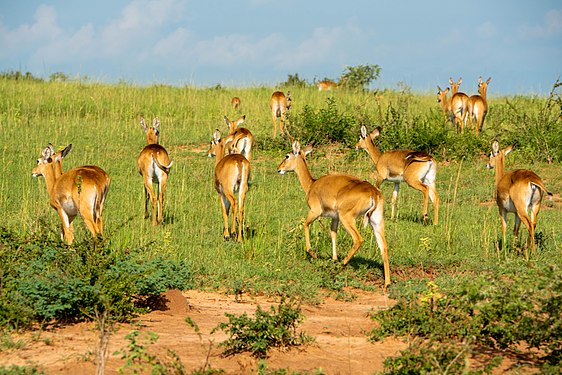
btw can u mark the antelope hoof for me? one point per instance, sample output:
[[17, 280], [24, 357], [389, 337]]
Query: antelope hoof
[[312, 254], [425, 219]]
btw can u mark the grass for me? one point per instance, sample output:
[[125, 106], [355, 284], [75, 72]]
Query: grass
[[102, 123]]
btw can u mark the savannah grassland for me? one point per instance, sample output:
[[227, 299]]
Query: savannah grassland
[[102, 123]]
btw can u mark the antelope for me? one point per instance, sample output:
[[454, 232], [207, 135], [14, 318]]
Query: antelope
[[279, 105], [417, 169], [231, 176], [519, 191], [342, 198], [445, 103], [154, 166], [478, 105], [235, 102], [81, 190], [327, 85], [459, 104], [239, 140]]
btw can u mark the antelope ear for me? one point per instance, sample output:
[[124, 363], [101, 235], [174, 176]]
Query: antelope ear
[[307, 150], [155, 123], [227, 121], [240, 120], [508, 149], [296, 148], [495, 147], [143, 123], [460, 80], [66, 150], [47, 152], [439, 88], [217, 135], [363, 131], [480, 80], [376, 132], [489, 79], [450, 80]]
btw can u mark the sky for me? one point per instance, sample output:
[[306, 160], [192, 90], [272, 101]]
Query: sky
[[244, 43]]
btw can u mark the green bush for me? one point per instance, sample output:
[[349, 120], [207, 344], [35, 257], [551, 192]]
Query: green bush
[[495, 311], [20, 370], [258, 335], [45, 281], [323, 126]]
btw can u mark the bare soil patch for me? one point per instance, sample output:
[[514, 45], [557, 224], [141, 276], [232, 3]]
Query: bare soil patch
[[341, 345]]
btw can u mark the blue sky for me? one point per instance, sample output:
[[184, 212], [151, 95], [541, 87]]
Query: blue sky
[[252, 42]]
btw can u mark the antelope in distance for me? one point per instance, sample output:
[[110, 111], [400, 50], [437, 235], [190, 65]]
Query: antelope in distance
[[235, 102], [342, 198], [519, 191], [417, 169], [326, 85], [459, 104], [445, 103], [81, 190], [239, 140], [279, 105], [231, 176], [154, 166], [478, 106]]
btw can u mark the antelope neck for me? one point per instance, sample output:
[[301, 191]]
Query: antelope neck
[[373, 150], [219, 154], [303, 173], [50, 178], [499, 167]]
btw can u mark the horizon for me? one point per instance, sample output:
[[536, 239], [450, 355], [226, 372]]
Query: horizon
[[262, 42]]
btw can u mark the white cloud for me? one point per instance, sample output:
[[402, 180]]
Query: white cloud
[[28, 37], [173, 45], [69, 48], [487, 30], [321, 45], [552, 26]]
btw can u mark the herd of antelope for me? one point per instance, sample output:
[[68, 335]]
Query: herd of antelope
[[341, 197]]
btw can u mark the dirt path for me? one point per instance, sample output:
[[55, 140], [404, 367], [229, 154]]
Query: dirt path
[[340, 347]]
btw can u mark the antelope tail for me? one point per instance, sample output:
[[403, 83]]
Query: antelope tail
[[165, 168], [542, 187]]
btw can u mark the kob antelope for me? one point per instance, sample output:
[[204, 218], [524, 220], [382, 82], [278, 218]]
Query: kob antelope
[[81, 190], [231, 176], [235, 102], [343, 198], [154, 166], [279, 105], [459, 104], [239, 140], [478, 106], [327, 85], [519, 191], [445, 104], [417, 169]]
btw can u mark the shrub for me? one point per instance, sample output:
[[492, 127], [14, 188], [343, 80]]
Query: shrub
[[494, 311], [323, 126], [46, 281], [294, 81], [258, 335]]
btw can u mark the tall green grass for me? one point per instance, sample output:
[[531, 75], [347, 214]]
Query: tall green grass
[[102, 123]]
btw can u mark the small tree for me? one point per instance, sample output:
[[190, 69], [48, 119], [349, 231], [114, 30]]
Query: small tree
[[293, 80], [359, 77]]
